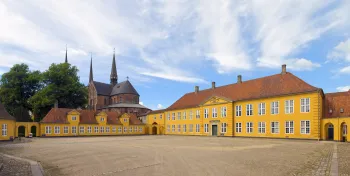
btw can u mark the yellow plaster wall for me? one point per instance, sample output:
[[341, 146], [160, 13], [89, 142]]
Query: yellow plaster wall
[[337, 122], [11, 128]]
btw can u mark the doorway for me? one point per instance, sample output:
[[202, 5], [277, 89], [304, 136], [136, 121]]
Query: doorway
[[154, 130], [21, 131], [33, 130], [330, 131], [344, 132], [214, 129]]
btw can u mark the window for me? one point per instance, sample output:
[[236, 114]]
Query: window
[[89, 129], [74, 130], [74, 118], [223, 111], [184, 115], [223, 127], [119, 129], [345, 129], [173, 116], [214, 113], [173, 128], [81, 129], [274, 127], [125, 120], [274, 107], [178, 128], [191, 128], [198, 114], [197, 128], [238, 110], [102, 119], [206, 128], [114, 129], [179, 116], [107, 129], [305, 127], [57, 130], [238, 127], [261, 127], [249, 127], [160, 117], [130, 129], [65, 130], [168, 128], [140, 129], [96, 129], [249, 109], [102, 129], [120, 99], [289, 127], [191, 115], [206, 113], [184, 128], [305, 105], [289, 107], [125, 129], [262, 109], [155, 117], [4, 130], [168, 116], [47, 130]]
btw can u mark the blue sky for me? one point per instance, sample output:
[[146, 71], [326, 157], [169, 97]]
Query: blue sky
[[168, 47]]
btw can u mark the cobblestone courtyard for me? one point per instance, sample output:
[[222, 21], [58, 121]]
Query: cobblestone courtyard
[[179, 155]]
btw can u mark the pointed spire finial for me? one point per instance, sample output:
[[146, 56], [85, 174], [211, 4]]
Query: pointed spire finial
[[66, 60], [91, 78], [114, 75]]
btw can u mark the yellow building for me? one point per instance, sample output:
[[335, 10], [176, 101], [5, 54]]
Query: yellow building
[[276, 106], [7, 124]]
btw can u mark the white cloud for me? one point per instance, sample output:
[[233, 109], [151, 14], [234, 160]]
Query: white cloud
[[341, 52], [345, 70], [343, 89], [301, 64], [159, 106]]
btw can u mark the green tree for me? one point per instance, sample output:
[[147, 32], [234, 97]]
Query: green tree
[[61, 85], [16, 87]]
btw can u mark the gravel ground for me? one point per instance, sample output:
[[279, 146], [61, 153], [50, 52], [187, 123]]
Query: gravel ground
[[344, 158], [12, 167], [172, 155]]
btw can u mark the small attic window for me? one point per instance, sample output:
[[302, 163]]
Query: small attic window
[[102, 119], [341, 110], [74, 118], [125, 120]]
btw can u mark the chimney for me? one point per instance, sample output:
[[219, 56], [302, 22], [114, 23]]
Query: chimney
[[196, 89], [239, 79], [213, 85], [284, 69], [56, 104]]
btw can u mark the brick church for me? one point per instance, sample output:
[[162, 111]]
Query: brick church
[[116, 96]]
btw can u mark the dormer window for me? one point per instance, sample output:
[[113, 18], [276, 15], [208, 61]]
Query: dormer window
[[102, 119], [341, 110], [125, 120], [74, 118], [120, 99]]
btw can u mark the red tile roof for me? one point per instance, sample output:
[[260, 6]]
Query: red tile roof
[[270, 86], [113, 118], [56, 115], [134, 120], [335, 102]]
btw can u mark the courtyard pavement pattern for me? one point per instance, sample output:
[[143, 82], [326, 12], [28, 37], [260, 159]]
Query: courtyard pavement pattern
[[180, 155]]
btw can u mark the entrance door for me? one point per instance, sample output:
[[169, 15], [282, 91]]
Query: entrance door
[[33, 130], [154, 130], [21, 131], [214, 129], [330, 132]]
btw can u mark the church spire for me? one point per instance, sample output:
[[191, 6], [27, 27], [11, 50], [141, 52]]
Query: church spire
[[114, 75], [91, 78], [66, 61]]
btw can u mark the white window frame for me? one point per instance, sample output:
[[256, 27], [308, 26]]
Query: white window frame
[[74, 129], [57, 130], [108, 129], [140, 129], [275, 107], [4, 129], [238, 110], [238, 127], [197, 128], [119, 129], [114, 129], [206, 128], [125, 120], [81, 129], [191, 115], [214, 113], [206, 113], [74, 118], [178, 115], [223, 127], [89, 129], [168, 116], [173, 116], [223, 111], [102, 129], [198, 114], [275, 127], [262, 109], [249, 127], [191, 128], [304, 128], [304, 107], [179, 128], [102, 119], [173, 128], [289, 107], [48, 130], [130, 129], [65, 130], [125, 130], [262, 127], [96, 130], [184, 115], [289, 127], [160, 116], [184, 128], [249, 110]]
